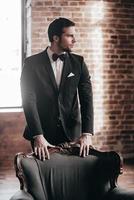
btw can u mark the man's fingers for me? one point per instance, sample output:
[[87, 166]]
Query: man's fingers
[[81, 149], [39, 152], [43, 153], [50, 145], [84, 150], [35, 150], [47, 153], [87, 150]]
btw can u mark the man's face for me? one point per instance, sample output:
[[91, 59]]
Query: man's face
[[67, 39]]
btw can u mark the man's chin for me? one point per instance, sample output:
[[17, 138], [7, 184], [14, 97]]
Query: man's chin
[[68, 50]]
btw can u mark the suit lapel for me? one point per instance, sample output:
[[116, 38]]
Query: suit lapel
[[48, 66], [65, 72]]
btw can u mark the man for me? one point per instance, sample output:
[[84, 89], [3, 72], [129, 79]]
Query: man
[[57, 94]]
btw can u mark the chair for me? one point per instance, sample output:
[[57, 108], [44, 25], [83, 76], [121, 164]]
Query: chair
[[66, 176]]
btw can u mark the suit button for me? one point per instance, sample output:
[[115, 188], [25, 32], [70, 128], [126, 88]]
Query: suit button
[[59, 122], [59, 119]]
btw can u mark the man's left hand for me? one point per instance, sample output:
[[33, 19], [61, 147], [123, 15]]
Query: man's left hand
[[85, 142]]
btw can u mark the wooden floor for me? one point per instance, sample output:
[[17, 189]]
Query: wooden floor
[[9, 184]]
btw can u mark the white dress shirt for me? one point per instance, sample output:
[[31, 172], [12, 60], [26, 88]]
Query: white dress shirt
[[57, 66]]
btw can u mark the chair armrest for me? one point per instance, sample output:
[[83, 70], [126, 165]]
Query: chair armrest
[[21, 194], [120, 194]]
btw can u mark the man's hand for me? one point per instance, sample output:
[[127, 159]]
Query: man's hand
[[41, 147], [85, 142]]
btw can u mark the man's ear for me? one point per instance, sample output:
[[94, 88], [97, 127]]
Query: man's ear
[[55, 38]]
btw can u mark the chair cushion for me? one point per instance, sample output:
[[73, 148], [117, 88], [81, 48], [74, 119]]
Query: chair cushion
[[72, 177]]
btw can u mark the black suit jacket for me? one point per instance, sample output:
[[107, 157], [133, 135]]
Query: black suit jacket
[[44, 104]]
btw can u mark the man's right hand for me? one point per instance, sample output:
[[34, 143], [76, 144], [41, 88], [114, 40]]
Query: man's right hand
[[41, 147]]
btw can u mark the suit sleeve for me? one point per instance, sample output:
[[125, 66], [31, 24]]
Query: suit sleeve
[[86, 100], [28, 92]]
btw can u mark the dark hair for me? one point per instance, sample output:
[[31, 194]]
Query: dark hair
[[56, 27]]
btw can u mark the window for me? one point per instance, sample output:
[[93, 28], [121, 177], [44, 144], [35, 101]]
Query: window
[[11, 53]]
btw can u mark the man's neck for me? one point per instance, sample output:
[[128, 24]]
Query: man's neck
[[56, 49]]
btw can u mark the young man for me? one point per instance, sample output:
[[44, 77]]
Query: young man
[[57, 94]]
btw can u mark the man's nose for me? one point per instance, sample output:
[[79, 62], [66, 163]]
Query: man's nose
[[74, 40]]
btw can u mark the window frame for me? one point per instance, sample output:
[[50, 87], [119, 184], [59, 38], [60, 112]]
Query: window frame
[[23, 16]]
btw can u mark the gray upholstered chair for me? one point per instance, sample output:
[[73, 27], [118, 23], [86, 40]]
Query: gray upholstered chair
[[66, 176]]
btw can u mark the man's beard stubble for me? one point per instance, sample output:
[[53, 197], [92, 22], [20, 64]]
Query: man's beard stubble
[[67, 50]]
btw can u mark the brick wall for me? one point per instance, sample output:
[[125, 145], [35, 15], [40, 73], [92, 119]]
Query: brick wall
[[11, 139], [105, 37]]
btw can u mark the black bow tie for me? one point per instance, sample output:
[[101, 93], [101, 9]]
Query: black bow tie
[[56, 56]]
